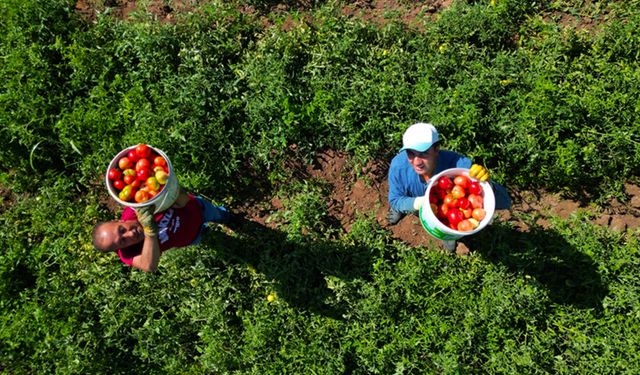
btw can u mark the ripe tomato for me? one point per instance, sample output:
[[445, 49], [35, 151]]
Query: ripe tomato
[[463, 203], [455, 216], [474, 222], [141, 196], [133, 157], [467, 212], [159, 161], [114, 174], [475, 188], [143, 151], [462, 180], [458, 192], [143, 174], [118, 184], [129, 178], [124, 163], [443, 208], [450, 201], [478, 213], [445, 183], [142, 163], [433, 198], [476, 200], [465, 226]]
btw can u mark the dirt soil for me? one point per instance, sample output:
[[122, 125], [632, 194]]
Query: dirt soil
[[367, 195], [352, 196]]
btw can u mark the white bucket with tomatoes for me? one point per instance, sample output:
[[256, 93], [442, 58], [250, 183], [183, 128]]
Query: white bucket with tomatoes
[[458, 205], [142, 175]]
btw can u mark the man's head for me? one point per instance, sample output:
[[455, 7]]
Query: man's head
[[112, 235], [422, 144]]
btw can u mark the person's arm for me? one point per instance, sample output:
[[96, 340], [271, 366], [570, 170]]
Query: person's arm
[[149, 257], [182, 199], [398, 199]]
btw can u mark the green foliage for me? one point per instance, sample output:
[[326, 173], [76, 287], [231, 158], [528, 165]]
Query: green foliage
[[226, 97]]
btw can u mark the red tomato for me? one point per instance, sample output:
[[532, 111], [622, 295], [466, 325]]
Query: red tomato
[[463, 203], [433, 198], [455, 216], [143, 174], [445, 183], [475, 188], [124, 163], [118, 184], [159, 160], [450, 201], [465, 226], [462, 180], [143, 151], [478, 213], [476, 200], [142, 163], [129, 178], [114, 174], [458, 192], [133, 157]]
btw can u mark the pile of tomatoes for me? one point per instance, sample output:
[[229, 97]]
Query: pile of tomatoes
[[140, 175], [458, 202]]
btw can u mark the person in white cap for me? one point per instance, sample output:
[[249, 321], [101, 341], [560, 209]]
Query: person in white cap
[[421, 158]]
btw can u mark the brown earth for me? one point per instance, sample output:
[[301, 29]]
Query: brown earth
[[367, 195]]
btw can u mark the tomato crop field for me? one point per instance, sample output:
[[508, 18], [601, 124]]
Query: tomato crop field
[[289, 113]]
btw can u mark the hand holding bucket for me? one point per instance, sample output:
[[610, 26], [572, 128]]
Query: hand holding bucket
[[439, 230], [163, 200]]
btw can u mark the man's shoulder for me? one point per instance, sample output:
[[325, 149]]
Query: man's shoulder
[[400, 160]]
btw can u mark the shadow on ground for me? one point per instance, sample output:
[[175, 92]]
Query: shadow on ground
[[298, 266], [570, 276]]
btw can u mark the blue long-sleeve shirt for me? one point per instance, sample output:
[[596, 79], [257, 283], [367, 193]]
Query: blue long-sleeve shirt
[[405, 185]]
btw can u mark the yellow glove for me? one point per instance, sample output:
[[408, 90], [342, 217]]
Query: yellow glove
[[146, 219], [479, 172]]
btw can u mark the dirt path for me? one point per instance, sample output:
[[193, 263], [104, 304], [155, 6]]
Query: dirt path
[[350, 197]]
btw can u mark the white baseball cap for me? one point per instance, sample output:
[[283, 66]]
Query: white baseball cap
[[419, 137]]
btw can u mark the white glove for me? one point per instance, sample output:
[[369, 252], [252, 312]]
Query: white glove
[[418, 202]]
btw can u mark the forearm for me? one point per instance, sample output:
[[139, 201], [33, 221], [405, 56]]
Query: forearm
[[403, 204], [182, 199], [150, 256]]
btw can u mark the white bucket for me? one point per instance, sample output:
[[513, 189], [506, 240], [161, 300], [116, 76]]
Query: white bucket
[[163, 200], [440, 231]]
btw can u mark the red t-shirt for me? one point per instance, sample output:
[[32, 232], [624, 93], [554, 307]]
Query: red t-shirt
[[177, 227]]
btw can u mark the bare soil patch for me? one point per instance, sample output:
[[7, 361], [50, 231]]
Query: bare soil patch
[[351, 197]]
